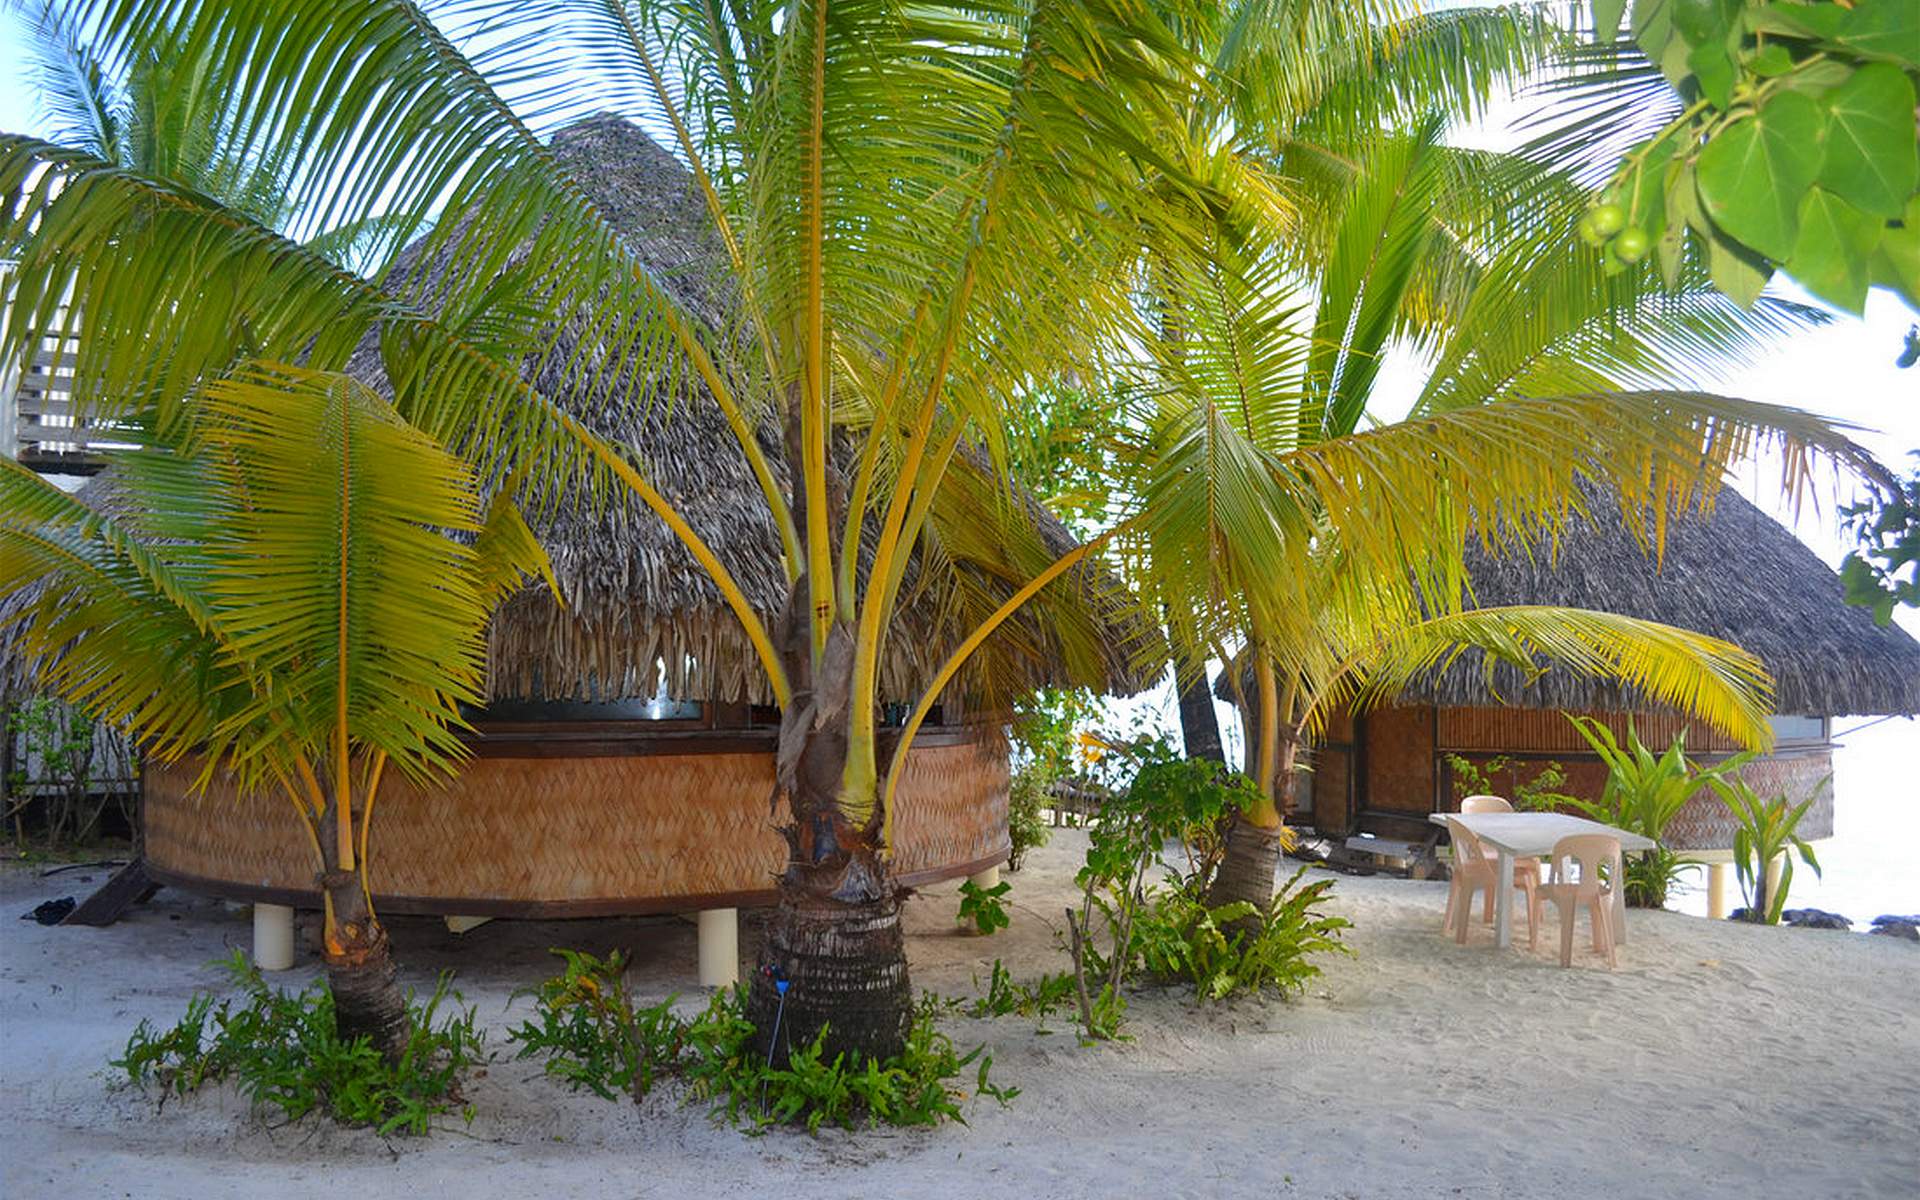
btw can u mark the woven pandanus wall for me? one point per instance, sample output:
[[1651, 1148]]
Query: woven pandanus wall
[[592, 834]]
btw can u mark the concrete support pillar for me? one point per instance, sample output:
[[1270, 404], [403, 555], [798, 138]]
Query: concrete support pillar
[[719, 947], [986, 880], [272, 937], [1717, 891], [1773, 877]]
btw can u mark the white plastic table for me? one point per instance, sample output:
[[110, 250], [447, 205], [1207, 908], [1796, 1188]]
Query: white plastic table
[[1532, 835]]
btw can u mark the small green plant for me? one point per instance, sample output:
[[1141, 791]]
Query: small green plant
[[282, 1051], [1766, 832], [1222, 953], [1542, 790], [986, 908], [1040, 999], [1643, 793], [594, 1036]]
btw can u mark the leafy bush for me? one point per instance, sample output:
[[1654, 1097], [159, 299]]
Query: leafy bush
[[1029, 791], [1044, 742], [1540, 791], [282, 1051], [985, 907], [1168, 930], [1643, 794], [594, 1037], [1179, 937], [1766, 831]]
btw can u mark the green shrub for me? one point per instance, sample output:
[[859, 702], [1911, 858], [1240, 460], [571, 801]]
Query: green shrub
[[594, 1037], [1178, 937], [283, 1052], [985, 907], [1539, 791], [1029, 791], [1643, 794]]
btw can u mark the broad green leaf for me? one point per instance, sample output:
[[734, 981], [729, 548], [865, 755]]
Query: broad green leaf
[[1871, 157], [1683, 210], [1607, 15], [1753, 173], [1830, 257], [1771, 60], [1653, 27], [1714, 69], [1888, 29], [1896, 261], [1737, 271], [1703, 22]]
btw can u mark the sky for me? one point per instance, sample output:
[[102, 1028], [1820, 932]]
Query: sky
[[1844, 371]]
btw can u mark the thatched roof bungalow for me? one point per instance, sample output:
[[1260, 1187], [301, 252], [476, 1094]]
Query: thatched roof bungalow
[[1736, 574], [624, 762]]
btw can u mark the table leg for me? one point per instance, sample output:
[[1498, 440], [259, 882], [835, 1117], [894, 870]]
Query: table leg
[[1619, 913], [1503, 900]]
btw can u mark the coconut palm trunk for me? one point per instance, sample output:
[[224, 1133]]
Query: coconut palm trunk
[[834, 955], [1257, 837]]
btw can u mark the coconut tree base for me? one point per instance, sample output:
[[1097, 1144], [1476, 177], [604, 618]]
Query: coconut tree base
[[1248, 865], [367, 1001], [845, 967]]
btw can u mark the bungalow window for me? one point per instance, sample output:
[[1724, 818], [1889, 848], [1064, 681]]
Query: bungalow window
[[1789, 730]]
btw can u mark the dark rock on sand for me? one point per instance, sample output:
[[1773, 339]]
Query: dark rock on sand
[[1907, 927]]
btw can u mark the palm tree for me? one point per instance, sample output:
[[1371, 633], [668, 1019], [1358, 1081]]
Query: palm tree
[[293, 589], [928, 212], [1334, 553]]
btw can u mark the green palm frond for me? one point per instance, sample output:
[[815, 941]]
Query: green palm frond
[[339, 580], [1674, 668]]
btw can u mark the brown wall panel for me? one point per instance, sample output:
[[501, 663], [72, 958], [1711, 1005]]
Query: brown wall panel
[[1399, 760]]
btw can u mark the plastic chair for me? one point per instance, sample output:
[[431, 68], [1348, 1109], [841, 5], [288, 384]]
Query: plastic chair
[[1599, 877], [1526, 871], [1476, 867]]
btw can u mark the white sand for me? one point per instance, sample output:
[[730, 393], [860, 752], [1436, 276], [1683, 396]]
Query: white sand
[[1718, 1060]]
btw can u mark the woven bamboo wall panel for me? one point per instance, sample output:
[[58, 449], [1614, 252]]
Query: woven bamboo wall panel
[[1400, 760], [588, 831]]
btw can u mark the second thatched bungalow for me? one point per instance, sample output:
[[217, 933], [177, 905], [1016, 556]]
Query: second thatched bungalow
[[1736, 574]]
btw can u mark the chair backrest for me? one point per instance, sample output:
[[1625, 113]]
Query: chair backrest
[[1484, 803], [1466, 847], [1591, 851]]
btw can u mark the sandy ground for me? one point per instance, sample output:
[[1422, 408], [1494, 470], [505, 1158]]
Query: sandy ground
[[1718, 1060]]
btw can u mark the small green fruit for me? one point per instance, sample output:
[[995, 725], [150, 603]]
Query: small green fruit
[[1632, 244], [1590, 233], [1608, 219]]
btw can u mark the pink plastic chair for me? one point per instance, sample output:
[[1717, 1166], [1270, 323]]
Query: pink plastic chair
[[1599, 875], [1526, 871], [1474, 868]]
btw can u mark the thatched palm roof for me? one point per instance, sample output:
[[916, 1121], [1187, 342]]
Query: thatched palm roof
[[638, 609], [639, 612], [1736, 574]]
